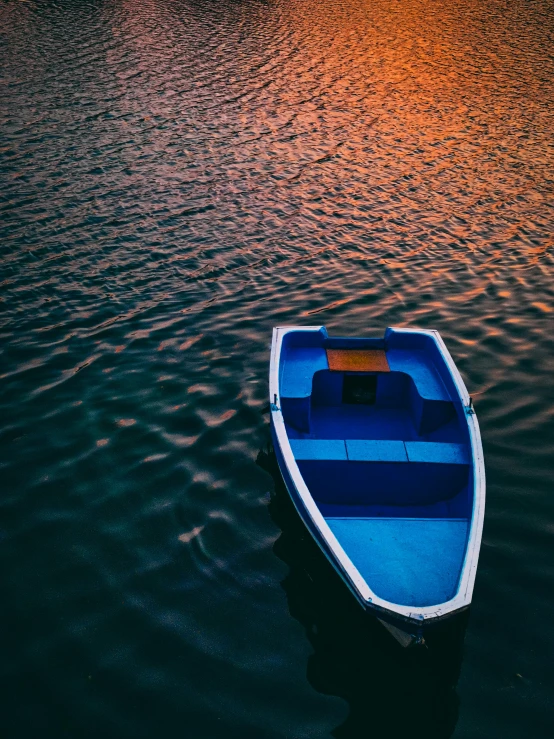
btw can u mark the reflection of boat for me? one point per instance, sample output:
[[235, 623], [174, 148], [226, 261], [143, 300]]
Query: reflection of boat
[[380, 450]]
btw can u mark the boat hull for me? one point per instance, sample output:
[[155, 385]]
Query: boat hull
[[409, 624]]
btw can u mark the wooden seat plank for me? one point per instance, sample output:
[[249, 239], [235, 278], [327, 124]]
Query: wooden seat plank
[[357, 360]]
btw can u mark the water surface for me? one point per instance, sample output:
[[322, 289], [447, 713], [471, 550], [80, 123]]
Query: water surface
[[177, 178]]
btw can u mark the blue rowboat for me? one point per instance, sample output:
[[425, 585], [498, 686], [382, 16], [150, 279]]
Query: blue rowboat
[[380, 450]]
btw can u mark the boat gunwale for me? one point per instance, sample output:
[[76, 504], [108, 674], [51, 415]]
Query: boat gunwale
[[336, 554]]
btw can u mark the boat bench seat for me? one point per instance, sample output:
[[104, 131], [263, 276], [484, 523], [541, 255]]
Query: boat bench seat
[[370, 450], [297, 374], [422, 371], [376, 450], [301, 364], [429, 402], [299, 368], [375, 472], [319, 449]]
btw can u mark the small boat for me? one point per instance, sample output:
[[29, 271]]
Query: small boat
[[380, 450]]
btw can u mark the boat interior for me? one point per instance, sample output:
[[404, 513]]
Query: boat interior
[[379, 434]]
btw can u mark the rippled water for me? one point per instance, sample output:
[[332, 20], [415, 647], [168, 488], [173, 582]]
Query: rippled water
[[177, 178]]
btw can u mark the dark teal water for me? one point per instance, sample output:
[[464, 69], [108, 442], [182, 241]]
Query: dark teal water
[[177, 178]]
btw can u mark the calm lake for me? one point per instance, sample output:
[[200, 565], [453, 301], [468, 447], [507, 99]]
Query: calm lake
[[177, 178]]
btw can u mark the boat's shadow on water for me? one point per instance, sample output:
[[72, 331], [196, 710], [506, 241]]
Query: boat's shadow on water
[[399, 692]]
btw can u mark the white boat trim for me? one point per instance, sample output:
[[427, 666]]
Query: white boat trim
[[354, 579]]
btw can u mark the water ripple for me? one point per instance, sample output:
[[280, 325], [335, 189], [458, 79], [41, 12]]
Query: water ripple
[[177, 178]]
